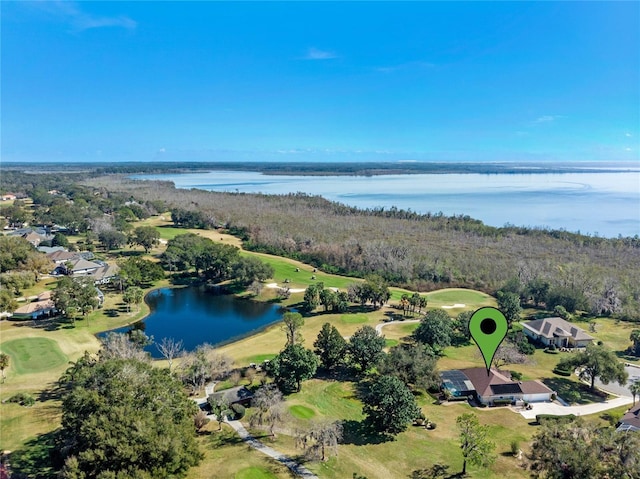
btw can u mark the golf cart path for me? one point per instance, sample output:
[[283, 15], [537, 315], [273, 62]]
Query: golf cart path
[[296, 468], [382, 325]]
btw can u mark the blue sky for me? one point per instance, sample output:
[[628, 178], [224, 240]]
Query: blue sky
[[327, 81]]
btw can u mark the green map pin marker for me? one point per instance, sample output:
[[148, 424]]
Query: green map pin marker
[[488, 327]]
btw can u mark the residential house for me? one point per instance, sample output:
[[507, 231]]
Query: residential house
[[43, 306], [82, 267], [630, 421], [237, 395], [8, 197], [105, 273], [60, 257], [50, 249], [556, 331], [496, 386]]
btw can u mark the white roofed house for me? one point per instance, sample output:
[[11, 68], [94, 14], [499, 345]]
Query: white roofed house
[[82, 267], [556, 331]]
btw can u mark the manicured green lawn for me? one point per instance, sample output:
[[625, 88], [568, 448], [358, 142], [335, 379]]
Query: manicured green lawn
[[451, 296], [254, 473], [259, 358], [302, 412], [169, 232], [354, 318], [33, 355]]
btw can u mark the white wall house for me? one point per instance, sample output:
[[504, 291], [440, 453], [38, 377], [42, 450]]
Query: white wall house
[[556, 331]]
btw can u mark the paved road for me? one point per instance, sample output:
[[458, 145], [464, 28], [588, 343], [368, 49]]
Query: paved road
[[297, 469], [615, 388]]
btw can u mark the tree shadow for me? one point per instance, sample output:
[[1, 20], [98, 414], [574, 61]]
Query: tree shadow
[[112, 312], [626, 356], [392, 316], [568, 389], [52, 393], [38, 458], [359, 433]]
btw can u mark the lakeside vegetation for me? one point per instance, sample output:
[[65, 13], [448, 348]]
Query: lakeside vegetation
[[329, 397]]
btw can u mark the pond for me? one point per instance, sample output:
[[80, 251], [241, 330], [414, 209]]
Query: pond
[[197, 315]]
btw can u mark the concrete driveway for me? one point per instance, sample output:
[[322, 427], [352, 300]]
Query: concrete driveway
[[560, 410]]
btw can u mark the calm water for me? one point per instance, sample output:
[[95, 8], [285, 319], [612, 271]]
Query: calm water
[[197, 316], [604, 204]]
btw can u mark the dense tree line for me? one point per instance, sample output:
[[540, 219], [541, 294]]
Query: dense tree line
[[215, 261], [422, 252]]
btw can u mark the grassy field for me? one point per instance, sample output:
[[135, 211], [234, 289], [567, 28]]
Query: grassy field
[[34, 355], [226, 456], [414, 449]]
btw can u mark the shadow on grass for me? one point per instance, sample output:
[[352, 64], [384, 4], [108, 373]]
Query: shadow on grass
[[435, 471], [37, 459], [626, 356], [53, 393], [359, 433], [112, 312], [577, 392], [217, 438]]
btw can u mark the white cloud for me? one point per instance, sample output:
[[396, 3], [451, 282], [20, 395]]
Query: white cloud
[[162, 150], [627, 149], [79, 20], [628, 135], [316, 54], [546, 119]]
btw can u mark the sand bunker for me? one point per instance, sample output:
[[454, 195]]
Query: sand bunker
[[291, 290], [457, 305]]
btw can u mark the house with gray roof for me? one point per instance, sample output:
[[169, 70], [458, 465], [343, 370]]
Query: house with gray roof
[[237, 395], [630, 421], [492, 387], [556, 331]]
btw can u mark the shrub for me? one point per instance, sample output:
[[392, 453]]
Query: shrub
[[571, 396], [24, 399], [502, 402], [431, 425], [552, 347], [551, 351], [559, 419], [238, 410], [516, 376], [515, 447], [525, 347], [561, 372]]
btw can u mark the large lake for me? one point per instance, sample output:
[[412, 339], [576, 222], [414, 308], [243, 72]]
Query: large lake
[[196, 316], [604, 204]]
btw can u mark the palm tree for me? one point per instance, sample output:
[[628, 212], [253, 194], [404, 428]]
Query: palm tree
[[4, 364], [635, 390]]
